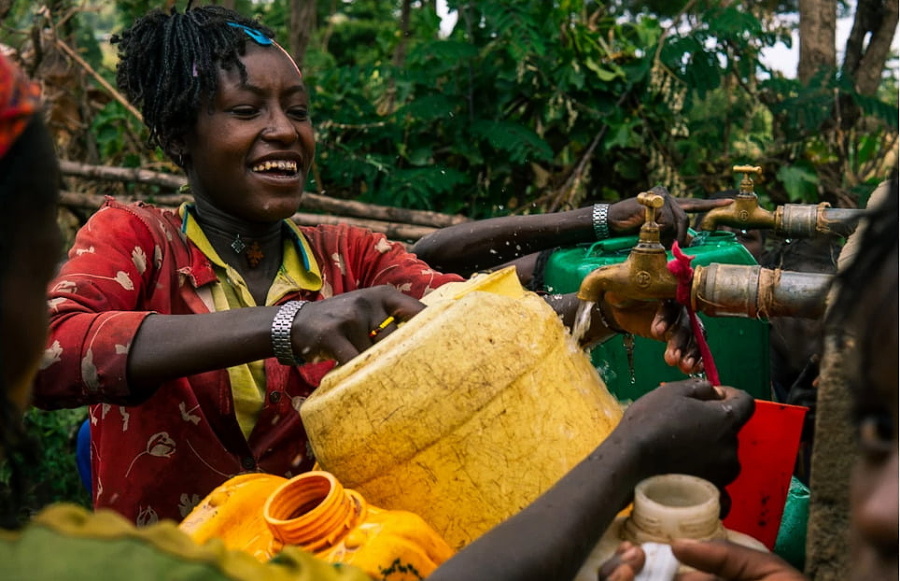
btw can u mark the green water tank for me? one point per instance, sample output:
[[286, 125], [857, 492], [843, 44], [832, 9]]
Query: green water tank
[[740, 346]]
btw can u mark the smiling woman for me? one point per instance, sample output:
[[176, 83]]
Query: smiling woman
[[196, 334], [207, 327]]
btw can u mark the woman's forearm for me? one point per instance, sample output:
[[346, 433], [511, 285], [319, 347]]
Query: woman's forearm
[[467, 248], [171, 346]]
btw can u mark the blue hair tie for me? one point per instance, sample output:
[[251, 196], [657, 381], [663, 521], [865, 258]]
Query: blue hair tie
[[254, 34]]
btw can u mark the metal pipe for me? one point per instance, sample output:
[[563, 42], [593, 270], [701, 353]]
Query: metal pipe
[[724, 290], [806, 221], [840, 221]]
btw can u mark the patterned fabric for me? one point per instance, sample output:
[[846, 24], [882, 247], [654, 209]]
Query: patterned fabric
[[66, 542], [19, 99], [156, 455]]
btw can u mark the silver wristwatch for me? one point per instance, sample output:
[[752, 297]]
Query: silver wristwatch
[[281, 333], [600, 221]]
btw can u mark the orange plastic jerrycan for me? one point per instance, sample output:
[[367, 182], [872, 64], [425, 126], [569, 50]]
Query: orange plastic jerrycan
[[315, 512], [233, 514], [261, 514]]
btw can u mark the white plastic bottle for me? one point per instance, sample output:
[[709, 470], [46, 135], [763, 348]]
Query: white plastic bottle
[[666, 507]]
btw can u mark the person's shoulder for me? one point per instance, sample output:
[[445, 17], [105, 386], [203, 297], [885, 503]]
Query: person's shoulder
[[137, 207], [127, 215], [336, 230], [332, 235]]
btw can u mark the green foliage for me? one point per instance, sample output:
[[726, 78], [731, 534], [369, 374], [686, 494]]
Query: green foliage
[[51, 476], [800, 182], [561, 103]]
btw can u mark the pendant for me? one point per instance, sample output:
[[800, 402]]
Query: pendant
[[238, 245], [254, 254]]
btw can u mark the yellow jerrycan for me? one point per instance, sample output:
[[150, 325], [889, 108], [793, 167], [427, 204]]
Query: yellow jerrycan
[[466, 413], [261, 514]]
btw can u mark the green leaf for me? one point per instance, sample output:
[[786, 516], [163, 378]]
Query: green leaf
[[602, 73], [420, 156], [442, 51], [731, 22], [429, 107], [519, 141], [800, 183], [874, 107]]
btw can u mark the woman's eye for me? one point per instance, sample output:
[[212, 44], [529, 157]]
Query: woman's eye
[[876, 433], [299, 113], [244, 111]]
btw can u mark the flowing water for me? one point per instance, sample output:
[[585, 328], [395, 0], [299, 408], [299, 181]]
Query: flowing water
[[582, 320]]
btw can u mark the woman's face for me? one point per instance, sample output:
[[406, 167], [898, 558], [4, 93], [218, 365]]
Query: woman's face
[[873, 371], [23, 302], [250, 151]]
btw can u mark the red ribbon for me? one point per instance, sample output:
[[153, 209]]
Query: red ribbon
[[680, 267]]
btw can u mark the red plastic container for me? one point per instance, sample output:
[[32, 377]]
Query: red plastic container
[[767, 449]]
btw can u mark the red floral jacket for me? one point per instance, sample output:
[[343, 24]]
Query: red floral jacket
[[158, 458]]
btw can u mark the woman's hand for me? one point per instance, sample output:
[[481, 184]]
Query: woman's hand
[[724, 560], [624, 565], [344, 326], [665, 321], [688, 427], [627, 216], [713, 560]]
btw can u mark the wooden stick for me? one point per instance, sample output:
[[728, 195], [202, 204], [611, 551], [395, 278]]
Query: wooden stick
[[310, 201], [122, 174], [393, 230], [112, 91]]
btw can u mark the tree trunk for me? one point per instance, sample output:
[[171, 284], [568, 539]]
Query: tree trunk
[[818, 19], [400, 52], [309, 201], [865, 63], [302, 25]]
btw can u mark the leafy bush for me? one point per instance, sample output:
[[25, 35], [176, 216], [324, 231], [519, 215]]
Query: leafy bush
[[48, 473]]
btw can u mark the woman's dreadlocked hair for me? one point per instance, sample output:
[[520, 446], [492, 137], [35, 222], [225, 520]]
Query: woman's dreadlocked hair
[[169, 64]]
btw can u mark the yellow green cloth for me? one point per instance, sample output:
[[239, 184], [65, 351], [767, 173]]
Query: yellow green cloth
[[66, 542]]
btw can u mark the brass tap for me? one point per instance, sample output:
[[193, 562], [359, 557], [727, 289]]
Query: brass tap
[[744, 212], [643, 276]]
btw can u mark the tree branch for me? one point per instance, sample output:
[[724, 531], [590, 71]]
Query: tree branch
[[310, 201], [393, 230]]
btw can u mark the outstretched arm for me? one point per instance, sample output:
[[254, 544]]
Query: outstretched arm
[[336, 328], [486, 244]]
